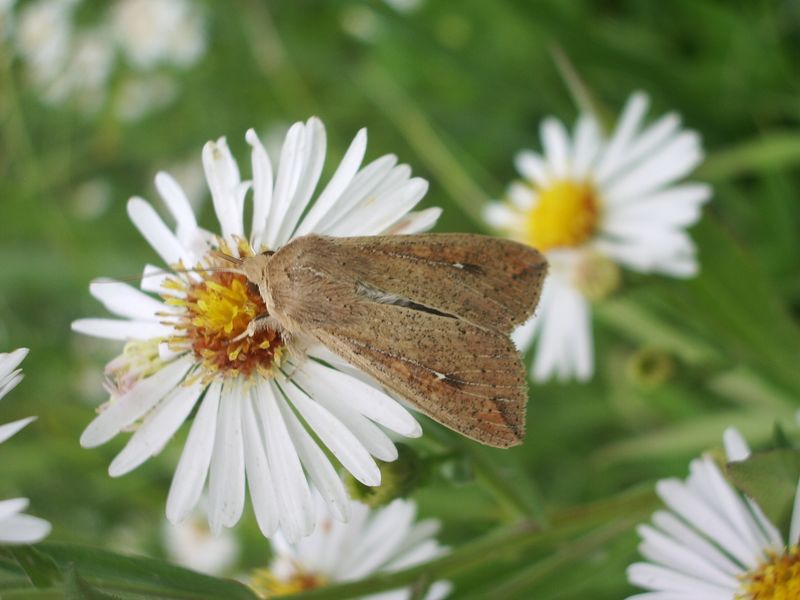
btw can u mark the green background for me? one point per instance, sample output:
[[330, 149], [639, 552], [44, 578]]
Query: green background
[[454, 89]]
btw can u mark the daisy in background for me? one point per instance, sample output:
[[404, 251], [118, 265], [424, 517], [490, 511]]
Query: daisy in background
[[257, 399], [192, 545], [591, 202], [715, 543], [71, 61], [15, 526], [383, 540]]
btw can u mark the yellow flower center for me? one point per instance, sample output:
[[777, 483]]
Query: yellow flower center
[[776, 579], [266, 585], [565, 215], [217, 308]]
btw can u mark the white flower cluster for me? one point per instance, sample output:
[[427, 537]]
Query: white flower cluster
[[68, 62]]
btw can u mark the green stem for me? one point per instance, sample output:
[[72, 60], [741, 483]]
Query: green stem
[[520, 496]]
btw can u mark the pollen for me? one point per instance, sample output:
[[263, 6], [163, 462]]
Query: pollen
[[267, 585], [565, 215], [216, 310], [776, 579]]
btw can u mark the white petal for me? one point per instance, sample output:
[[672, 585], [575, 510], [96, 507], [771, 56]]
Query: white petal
[[671, 162], [415, 222], [9, 429], [655, 136], [500, 215], [126, 301], [383, 536], [23, 529], [10, 361], [364, 184], [159, 426], [386, 210], [262, 188], [223, 177], [555, 142], [685, 503], [152, 228], [259, 477], [727, 502], [117, 329], [565, 343], [134, 404], [736, 447], [153, 280], [294, 497], [653, 577], [533, 168], [178, 204], [361, 397], [12, 506], [628, 125], [314, 159], [794, 529], [523, 335], [10, 382], [588, 140], [689, 538], [290, 167], [521, 195], [660, 548], [339, 440], [376, 442], [342, 178], [319, 469], [226, 477], [190, 475]]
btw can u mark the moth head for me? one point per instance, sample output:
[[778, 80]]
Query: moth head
[[255, 267]]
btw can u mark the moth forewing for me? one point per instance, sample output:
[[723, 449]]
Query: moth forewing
[[427, 315]]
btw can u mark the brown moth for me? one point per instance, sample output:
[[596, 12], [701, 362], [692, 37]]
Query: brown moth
[[427, 315]]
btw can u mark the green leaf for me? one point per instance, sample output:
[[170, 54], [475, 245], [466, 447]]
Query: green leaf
[[781, 439], [694, 435], [40, 569], [770, 478], [154, 578], [740, 308], [75, 588], [773, 151]]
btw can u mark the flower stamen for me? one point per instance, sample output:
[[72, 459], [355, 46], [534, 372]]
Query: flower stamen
[[565, 215], [776, 579], [216, 311]]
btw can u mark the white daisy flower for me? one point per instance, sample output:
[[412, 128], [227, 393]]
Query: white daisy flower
[[68, 61], [191, 544], [591, 202], [382, 540], [258, 398], [151, 32], [15, 526], [715, 543]]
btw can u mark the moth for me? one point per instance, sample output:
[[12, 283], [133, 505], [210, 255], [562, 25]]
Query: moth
[[428, 316]]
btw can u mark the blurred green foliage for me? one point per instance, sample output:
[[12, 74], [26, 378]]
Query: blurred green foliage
[[455, 89]]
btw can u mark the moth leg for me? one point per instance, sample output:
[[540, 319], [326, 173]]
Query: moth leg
[[259, 323]]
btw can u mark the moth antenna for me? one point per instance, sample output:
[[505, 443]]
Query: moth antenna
[[228, 257], [159, 272]]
